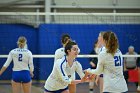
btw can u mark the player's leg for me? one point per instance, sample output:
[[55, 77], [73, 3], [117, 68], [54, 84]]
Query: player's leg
[[91, 87], [72, 88], [101, 84], [16, 87], [26, 81], [27, 87], [16, 83], [65, 91]]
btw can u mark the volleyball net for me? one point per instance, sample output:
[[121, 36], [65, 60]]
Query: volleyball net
[[79, 56]]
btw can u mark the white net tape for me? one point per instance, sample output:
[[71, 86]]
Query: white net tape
[[79, 56]]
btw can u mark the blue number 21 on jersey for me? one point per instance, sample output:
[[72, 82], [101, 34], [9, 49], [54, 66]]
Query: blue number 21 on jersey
[[20, 57], [117, 60]]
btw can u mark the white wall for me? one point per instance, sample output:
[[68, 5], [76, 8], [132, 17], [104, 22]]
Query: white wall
[[99, 2], [70, 6]]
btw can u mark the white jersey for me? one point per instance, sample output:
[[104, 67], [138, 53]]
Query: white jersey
[[62, 74], [98, 50], [21, 59], [59, 53], [112, 69]]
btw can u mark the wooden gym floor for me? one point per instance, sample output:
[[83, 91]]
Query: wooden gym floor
[[81, 88]]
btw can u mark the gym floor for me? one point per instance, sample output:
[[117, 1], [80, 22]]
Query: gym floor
[[81, 88]]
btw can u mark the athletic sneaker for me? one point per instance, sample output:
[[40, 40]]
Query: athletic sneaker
[[138, 89]]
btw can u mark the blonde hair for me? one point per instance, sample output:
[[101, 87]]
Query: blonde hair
[[21, 41], [102, 33]]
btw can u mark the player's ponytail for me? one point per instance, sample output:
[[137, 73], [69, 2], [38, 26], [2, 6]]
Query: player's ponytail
[[65, 38], [21, 41], [111, 42]]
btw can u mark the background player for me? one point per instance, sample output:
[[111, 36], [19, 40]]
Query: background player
[[100, 47], [59, 53], [93, 63], [22, 73]]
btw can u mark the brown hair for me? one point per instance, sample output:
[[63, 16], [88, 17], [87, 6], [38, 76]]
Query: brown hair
[[111, 42], [65, 38], [21, 41], [69, 46]]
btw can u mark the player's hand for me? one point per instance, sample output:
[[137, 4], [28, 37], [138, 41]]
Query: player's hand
[[0, 73], [92, 64], [32, 74], [97, 80], [76, 82], [87, 71], [86, 77], [92, 77]]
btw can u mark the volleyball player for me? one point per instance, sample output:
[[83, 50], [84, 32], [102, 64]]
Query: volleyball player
[[63, 71], [138, 65], [59, 53], [93, 63], [100, 47], [22, 73], [110, 63]]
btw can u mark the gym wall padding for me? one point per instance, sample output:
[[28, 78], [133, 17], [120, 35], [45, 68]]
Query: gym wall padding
[[46, 39], [85, 36]]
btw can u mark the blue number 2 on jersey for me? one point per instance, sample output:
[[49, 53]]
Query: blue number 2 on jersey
[[117, 60], [20, 57]]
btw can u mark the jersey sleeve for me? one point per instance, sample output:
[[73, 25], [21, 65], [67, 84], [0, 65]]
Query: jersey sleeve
[[9, 60], [79, 70], [100, 65], [62, 73], [58, 55], [31, 62]]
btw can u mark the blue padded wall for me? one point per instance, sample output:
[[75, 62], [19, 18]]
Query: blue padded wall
[[46, 39], [85, 36]]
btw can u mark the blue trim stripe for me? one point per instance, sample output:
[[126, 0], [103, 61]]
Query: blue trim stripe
[[62, 68], [101, 49], [74, 60], [120, 61]]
